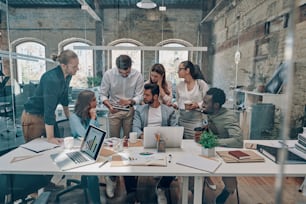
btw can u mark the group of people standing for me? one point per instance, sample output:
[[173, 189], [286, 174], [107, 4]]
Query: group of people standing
[[124, 86]]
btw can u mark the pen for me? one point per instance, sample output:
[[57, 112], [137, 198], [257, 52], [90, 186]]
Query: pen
[[283, 143], [103, 163], [170, 157]]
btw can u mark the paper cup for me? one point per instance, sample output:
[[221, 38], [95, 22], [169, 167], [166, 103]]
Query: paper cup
[[68, 142], [133, 137], [187, 105]]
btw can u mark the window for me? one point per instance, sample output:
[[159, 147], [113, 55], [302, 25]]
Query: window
[[171, 59], [134, 54], [30, 70], [85, 65]]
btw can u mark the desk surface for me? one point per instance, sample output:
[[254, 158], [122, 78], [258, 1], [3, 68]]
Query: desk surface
[[43, 165]]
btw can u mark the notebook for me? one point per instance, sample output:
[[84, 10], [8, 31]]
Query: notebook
[[198, 162], [172, 136], [87, 154], [239, 154]]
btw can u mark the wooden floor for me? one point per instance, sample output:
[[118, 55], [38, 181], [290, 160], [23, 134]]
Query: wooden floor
[[257, 190]]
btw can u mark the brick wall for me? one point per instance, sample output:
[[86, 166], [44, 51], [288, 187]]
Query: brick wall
[[262, 47]]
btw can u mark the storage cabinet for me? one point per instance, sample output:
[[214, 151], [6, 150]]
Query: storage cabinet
[[257, 112]]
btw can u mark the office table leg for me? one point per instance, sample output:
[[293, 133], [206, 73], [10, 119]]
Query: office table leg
[[185, 189], [303, 185], [198, 189]]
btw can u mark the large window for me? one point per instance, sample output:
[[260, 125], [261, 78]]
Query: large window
[[134, 54], [29, 69], [85, 65], [171, 59]]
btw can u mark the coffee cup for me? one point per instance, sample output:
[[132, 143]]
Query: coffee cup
[[197, 134], [188, 105], [68, 142], [133, 137]]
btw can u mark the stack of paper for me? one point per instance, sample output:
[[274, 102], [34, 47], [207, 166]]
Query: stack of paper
[[39, 145], [137, 159], [197, 162]]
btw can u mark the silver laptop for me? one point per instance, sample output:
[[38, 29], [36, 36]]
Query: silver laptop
[[87, 154], [172, 135]]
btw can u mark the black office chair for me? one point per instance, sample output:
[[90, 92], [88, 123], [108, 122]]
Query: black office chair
[[62, 129], [20, 186]]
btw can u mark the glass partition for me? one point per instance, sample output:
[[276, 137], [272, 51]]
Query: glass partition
[[31, 34]]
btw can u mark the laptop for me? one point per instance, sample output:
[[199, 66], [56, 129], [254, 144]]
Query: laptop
[[172, 135], [87, 154]]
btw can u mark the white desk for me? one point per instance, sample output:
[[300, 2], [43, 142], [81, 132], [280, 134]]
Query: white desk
[[44, 165]]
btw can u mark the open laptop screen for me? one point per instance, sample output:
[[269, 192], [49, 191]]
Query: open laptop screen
[[93, 141]]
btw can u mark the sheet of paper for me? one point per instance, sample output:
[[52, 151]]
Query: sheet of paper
[[39, 145], [136, 159], [201, 163]]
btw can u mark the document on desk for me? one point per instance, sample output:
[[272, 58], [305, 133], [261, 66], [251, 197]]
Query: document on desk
[[137, 159], [197, 162], [39, 145]]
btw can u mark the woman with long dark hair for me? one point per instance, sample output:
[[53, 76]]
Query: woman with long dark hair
[[83, 116], [192, 90], [84, 113]]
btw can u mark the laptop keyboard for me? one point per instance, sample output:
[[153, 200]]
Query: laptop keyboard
[[77, 157]]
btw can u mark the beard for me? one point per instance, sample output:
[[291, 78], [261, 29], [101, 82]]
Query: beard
[[149, 102], [205, 111]]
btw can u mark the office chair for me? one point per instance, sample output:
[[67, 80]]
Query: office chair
[[20, 186], [62, 129]]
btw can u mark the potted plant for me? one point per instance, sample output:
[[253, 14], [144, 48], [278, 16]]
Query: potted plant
[[209, 141], [262, 80]]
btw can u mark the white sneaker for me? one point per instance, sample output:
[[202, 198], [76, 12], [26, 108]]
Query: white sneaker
[[161, 196], [110, 187]]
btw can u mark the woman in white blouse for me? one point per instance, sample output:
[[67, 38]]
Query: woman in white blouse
[[158, 76], [192, 90]]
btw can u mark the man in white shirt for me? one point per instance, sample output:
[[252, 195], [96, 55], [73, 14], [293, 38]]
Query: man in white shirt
[[121, 86], [153, 113]]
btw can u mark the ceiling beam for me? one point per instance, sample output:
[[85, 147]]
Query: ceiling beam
[[85, 6]]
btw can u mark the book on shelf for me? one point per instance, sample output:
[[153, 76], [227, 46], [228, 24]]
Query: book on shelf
[[302, 139], [300, 147], [239, 154]]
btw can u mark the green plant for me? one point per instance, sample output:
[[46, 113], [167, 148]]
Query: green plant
[[262, 77], [208, 139], [93, 81]]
